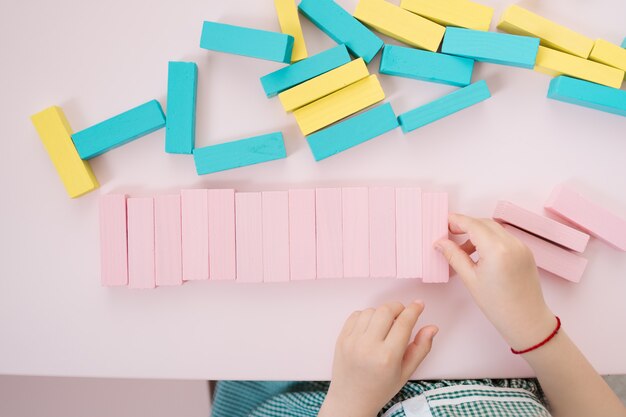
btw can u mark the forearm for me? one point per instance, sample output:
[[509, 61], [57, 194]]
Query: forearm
[[334, 406], [573, 388]]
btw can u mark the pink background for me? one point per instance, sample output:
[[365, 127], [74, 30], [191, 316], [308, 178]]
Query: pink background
[[96, 59]]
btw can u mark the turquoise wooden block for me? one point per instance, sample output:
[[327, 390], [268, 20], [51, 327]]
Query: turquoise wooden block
[[255, 43], [445, 106], [426, 66], [624, 43], [180, 126], [587, 94], [119, 130], [496, 48], [285, 78], [239, 153], [341, 27], [352, 132]]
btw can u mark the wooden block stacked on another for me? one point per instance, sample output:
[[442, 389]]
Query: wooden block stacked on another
[[609, 54], [302, 241], [113, 241], [275, 236], [461, 13], [588, 94], [249, 236], [141, 266], [222, 250], [435, 268], [168, 240], [328, 224], [382, 234], [355, 232], [195, 234], [287, 12], [409, 231]]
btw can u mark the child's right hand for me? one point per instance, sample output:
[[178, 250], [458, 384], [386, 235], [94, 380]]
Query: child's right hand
[[504, 282]]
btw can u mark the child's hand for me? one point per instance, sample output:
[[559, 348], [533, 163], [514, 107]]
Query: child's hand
[[374, 359], [504, 282]]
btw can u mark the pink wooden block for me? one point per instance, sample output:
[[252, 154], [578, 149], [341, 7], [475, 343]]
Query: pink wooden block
[[328, 216], [434, 227], [589, 216], [249, 236], [275, 236], [302, 241], [355, 219], [409, 232], [222, 250], [168, 240], [382, 212], [113, 244], [141, 243], [550, 257], [541, 226], [195, 228]]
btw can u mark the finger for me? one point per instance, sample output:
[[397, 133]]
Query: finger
[[479, 233], [349, 325], [363, 321], [468, 247], [458, 259], [400, 332], [417, 350], [383, 319]]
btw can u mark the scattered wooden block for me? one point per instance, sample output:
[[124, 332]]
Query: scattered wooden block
[[335, 22], [587, 94], [113, 243], [195, 234], [302, 240], [541, 226], [288, 77], [520, 21], [180, 126], [355, 232], [426, 66], [496, 48], [382, 211], [119, 130], [168, 240], [141, 243], [222, 251], [551, 258], [55, 134], [609, 54], [588, 216], [624, 43], [445, 106], [289, 21], [328, 224], [338, 105], [254, 43], [434, 227], [323, 85], [239, 153], [275, 236], [249, 236], [400, 24], [352, 132], [555, 63], [461, 13], [409, 249]]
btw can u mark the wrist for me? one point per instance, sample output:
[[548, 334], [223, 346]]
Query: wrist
[[531, 331], [336, 405]]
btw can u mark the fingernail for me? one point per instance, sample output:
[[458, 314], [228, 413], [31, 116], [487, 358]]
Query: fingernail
[[434, 332]]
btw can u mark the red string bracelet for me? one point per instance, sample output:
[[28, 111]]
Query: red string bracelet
[[546, 340]]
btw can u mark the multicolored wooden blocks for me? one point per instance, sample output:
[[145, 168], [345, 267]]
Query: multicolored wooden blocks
[[461, 13], [588, 94], [609, 54]]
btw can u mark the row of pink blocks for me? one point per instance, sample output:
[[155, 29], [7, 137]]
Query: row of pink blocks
[[273, 236]]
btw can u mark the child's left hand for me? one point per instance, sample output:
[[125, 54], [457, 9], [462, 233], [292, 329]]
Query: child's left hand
[[374, 359]]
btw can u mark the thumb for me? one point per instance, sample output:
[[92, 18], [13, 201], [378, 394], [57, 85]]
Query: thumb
[[417, 350], [458, 259]]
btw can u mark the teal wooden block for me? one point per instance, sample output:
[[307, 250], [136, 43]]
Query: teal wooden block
[[624, 43], [426, 66], [180, 126], [341, 27], [119, 130], [255, 43], [496, 48], [587, 94], [445, 106], [299, 72], [239, 153], [352, 132]]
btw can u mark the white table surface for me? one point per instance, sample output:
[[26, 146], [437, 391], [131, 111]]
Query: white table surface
[[96, 59]]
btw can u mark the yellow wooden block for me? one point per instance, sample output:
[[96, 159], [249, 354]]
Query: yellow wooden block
[[289, 21], [323, 85], [608, 53], [400, 24], [461, 13], [557, 63], [55, 133], [520, 21], [340, 104]]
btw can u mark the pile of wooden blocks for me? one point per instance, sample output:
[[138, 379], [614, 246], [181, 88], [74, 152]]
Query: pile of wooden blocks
[[273, 236], [444, 39]]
